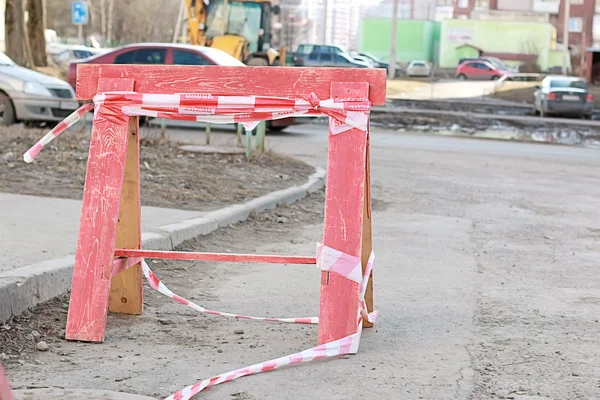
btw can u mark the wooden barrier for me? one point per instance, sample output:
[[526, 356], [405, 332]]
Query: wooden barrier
[[110, 220], [5, 392]]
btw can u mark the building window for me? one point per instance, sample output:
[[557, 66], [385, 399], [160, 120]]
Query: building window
[[463, 3], [482, 3], [445, 2], [576, 2], [575, 24], [596, 28]]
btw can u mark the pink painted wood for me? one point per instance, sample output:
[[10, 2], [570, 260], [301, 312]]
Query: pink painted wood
[[344, 206], [260, 81], [98, 228], [106, 165], [5, 392], [178, 255]]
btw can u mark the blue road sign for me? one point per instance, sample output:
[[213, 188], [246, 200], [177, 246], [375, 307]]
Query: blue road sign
[[79, 12]]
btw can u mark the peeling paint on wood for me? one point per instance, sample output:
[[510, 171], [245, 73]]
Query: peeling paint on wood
[[343, 225], [260, 81], [98, 228]]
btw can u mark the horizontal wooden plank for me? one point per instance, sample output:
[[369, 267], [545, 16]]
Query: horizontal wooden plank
[[197, 256], [260, 81]]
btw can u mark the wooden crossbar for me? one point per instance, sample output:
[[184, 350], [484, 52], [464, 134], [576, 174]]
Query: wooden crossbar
[[259, 81], [110, 217], [221, 257]]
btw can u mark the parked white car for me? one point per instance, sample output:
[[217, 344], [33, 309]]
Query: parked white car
[[27, 95], [418, 68]]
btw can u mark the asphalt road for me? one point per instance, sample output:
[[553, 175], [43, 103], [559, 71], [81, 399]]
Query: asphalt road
[[486, 275], [486, 280], [309, 142]]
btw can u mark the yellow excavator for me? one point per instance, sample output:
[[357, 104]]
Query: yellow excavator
[[241, 28]]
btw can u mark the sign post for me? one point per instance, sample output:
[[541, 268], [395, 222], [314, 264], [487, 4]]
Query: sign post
[[79, 17]]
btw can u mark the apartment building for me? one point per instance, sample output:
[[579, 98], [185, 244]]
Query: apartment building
[[407, 9], [295, 25], [581, 22], [584, 21], [334, 22]]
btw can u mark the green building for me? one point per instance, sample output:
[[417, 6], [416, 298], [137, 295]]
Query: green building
[[415, 39], [445, 43], [512, 41]]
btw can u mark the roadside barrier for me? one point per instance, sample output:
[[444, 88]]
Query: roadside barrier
[[5, 393], [109, 261]]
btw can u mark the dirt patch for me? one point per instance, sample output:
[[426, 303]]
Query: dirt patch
[[170, 345], [170, 177]]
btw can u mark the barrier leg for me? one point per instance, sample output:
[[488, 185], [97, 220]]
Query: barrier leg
[[248, 143], [5, 393], [207, 131], [260, 136], [98, 228], [367, 232], [238, 134], [343, 224], [126, 288]]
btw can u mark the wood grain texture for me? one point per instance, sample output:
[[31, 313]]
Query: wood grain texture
[[126, 288], [265, 81], [220, 257], [98, 228], [343, 224], [367, 232], [5, 392]]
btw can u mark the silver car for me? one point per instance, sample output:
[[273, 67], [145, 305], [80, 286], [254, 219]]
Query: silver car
[[564, 95], [27, 95], [418, 68]]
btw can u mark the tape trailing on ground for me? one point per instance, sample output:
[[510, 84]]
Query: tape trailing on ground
[[217, 109], [157, 285], [347, 345]]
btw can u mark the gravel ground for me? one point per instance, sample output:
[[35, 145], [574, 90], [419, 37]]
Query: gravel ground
[[171, 178]]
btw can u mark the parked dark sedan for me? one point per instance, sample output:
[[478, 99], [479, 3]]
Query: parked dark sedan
[[564, 95], [339, 60], [378, 62]]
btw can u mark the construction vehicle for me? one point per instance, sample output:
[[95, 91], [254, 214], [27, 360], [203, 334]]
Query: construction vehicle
[[241, 28]]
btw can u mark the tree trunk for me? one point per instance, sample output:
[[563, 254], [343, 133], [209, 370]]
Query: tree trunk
[[35, 28], [15, 32], [109, 28], [103, 18]]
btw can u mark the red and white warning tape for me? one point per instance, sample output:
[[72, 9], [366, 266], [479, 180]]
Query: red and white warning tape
[[346, 345], [248, 110], [218, 109]]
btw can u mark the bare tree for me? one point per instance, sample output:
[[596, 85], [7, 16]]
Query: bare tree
[[126, 21], [14, 31], [103, 18], [533, 47], [35, 30], [109, 28]]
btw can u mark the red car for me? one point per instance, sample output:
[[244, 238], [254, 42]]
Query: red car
[[168, 54], [479, 70]]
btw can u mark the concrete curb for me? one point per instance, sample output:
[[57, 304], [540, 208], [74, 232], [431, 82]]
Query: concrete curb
[[23, 288]]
